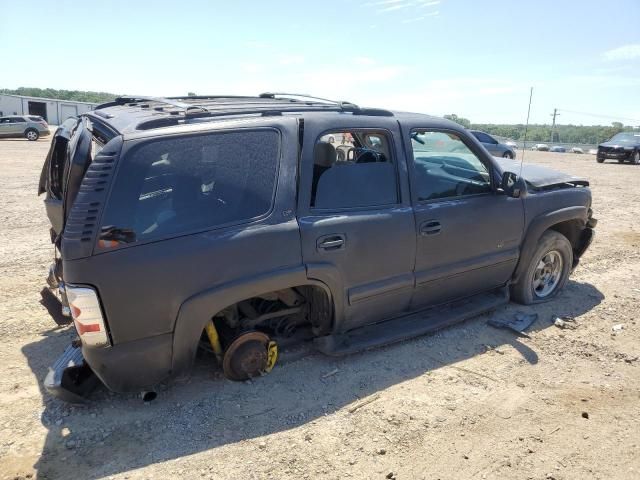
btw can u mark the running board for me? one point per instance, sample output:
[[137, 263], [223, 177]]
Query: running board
[[411, 325]]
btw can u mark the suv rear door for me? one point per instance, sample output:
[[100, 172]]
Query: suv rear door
[[356, 222]]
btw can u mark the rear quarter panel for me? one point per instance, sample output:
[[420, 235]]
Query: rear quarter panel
[[143, 286]]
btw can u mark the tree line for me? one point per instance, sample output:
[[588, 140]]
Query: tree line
[[72, 95], [589, 134]]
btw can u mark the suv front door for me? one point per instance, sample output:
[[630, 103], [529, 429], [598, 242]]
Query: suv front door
[[355, 217], [468, 234]]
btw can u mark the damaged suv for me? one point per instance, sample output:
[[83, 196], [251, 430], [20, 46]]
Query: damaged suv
[[235, 223]]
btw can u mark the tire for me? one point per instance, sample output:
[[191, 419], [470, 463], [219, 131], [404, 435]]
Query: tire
[[547, 272], [635, 159], [599, 160], [508, 155], [31, 134]]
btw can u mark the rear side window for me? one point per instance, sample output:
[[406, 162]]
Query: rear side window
[[184, 184], [36, 119], [353, 169]]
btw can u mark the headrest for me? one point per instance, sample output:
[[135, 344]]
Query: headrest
[[324, 154]]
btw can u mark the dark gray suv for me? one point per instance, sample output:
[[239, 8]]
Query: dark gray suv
[[234, 224]]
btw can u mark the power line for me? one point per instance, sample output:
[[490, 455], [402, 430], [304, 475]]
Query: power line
[[599, 115]]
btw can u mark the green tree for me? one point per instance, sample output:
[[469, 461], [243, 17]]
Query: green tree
[[73, 95], [459, 120]]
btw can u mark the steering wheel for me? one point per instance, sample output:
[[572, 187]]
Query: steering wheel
[[366, 155]]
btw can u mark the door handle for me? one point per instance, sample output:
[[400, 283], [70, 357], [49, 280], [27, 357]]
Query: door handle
[[432, 227], [331, 242]]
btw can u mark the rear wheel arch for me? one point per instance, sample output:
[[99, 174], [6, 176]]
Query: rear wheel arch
[[198, 310]]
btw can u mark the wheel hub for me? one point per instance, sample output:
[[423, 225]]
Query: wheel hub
[[247, 356], [547, 274]]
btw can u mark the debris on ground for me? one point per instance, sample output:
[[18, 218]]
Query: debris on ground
[[518, 323], [617, 328], [331, 373], [364, 402], [564, 322]]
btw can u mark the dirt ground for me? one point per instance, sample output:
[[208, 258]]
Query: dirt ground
[[468, 402]]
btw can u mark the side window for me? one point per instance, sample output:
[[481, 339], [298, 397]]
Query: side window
[[353, 169], [177, 185], [483, 137], [444, 167], [18, 120]]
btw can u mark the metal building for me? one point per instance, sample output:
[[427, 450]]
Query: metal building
[[54, 111]]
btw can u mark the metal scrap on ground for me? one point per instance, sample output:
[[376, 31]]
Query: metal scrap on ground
[[519, 323]]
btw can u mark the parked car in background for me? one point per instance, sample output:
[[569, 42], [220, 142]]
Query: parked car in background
[[576, 150], [542, 147], [622, 147], [558, 149], [496, 148], [30, 127]]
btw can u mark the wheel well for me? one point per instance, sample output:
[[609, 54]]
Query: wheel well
[[279, 312], [571, 230]]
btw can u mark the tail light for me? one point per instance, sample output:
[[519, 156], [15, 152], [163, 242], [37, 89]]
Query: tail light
[[87, 316]]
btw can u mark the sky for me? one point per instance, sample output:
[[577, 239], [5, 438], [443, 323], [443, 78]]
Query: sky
[[477, 59]]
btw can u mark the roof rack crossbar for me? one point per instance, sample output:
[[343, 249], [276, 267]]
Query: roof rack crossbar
[[304, 95]]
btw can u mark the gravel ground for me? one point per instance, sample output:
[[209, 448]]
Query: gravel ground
[[468, 402]]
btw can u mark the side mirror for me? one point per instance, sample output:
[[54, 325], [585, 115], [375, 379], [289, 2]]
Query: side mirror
[[512, 185]]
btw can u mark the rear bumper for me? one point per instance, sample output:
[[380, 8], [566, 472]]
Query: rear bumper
[[70, 379], [132, 366]]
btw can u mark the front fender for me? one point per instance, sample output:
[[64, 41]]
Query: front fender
[[541, 224]]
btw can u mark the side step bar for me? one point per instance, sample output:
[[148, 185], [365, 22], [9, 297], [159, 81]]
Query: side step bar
[[70, 378], [410, 326]]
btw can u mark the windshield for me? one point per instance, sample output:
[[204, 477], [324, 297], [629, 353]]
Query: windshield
[[626, 137]]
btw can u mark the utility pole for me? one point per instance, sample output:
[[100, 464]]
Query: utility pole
[[553, 125]]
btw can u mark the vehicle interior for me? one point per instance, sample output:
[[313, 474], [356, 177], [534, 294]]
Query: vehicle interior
[[353, 168], [446, 167]]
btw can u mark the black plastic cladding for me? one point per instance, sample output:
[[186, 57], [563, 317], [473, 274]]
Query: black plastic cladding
[[82, 227]]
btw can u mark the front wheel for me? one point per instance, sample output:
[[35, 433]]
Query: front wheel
[[31, 135], [636, 158], [547, 272], [508, 155], [600, 160]]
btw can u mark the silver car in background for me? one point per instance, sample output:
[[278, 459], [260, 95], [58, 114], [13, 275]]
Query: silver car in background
[[496, 148], [30, 127]]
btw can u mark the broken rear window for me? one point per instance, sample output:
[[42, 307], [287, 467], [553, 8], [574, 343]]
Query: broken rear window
[[181, 185]]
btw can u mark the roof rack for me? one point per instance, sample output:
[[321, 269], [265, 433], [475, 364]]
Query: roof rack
[[144, 99], [212, 106]]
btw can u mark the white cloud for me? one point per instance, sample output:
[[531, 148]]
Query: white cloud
[[291, 60], [625, 52], [386, 6], [364, 61]]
